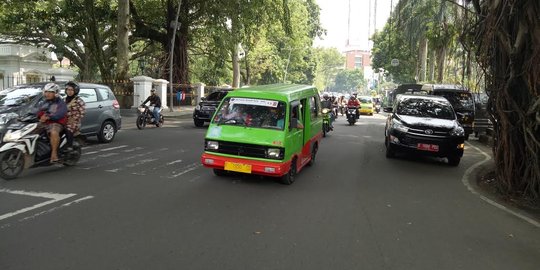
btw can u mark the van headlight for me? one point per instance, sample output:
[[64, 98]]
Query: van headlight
[[274, 153], [212, 145], [325, 110], [399, 126], [458, 131]]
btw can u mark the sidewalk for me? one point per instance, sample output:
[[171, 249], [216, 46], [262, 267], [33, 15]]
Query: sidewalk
[[177, 111]]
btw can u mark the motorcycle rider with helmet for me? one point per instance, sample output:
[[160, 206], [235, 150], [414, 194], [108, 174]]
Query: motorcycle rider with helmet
[[326, 102], [52, 117], [76, 108], [156, 102], [353, 102]]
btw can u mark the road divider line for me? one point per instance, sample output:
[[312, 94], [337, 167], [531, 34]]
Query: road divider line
[[53, 197], [57, 208], [189, 168], [469, 175]]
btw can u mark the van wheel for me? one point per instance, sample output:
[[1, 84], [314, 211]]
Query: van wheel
[[107, 132], [219, 172], [288, 178], [390, 151], [198, 123], [313, 154], [453, 160]]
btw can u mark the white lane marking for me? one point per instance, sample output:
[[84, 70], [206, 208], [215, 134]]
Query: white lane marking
[[466, 181], [189, 168], [144, 172], [141, 162], [174, 161], [105, 150], [115, 161], [54, 197], [57, 208]]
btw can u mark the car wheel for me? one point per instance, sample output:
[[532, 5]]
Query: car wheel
[[107, 132], [288, 178], [390, 151], [453, 160], [198, 123], [220, 172]]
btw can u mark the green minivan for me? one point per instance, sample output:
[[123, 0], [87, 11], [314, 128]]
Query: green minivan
[[272, 130]]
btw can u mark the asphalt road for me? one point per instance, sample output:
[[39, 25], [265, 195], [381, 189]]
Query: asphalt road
[[145, 202]]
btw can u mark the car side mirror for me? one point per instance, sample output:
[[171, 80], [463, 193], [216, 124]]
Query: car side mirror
[[388, 109]]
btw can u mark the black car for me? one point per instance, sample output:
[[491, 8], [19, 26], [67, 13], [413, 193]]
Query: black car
[[207, 107], [102, 116], [424, 124]]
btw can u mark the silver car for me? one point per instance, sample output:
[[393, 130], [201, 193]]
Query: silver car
[[102, 117]]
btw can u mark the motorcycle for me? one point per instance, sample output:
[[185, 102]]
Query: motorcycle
[[23, 148], [146, 117], [326, 121], [352, 115], [377, 108]]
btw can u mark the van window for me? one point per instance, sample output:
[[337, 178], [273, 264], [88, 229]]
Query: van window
[[88, 95], [314, 106], [459, 100], [258, 113]]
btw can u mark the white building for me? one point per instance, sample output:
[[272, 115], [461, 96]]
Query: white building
[[21, 64]]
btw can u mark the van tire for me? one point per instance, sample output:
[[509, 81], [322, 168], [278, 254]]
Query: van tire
[[288, 178], [198, 123], [313, 155], [107, 132], [220, 172]]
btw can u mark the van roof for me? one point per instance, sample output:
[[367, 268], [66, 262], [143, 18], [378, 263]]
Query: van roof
[[275, 91], [446, 87]]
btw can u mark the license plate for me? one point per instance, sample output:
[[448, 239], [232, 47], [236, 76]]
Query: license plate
[[428, 147], [237, 167]]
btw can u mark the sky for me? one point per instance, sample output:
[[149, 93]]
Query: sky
[[334, 18]]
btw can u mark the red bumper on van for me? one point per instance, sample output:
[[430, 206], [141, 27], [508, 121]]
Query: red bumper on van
[[245, 165]]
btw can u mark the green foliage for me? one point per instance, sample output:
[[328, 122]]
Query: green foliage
[[349, 81], [329, 62], [388, 45]]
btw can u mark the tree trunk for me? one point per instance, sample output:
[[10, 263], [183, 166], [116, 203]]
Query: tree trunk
[[236, 66], [422, 58], [441, 57], [509, 48], [431, 68], [122, 66]]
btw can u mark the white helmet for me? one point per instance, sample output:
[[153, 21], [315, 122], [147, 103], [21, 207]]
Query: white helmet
[[51, 87]]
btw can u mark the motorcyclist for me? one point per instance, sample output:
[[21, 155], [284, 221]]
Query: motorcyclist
[[353, 102], [326, 102], [52, 116], [155, 101]]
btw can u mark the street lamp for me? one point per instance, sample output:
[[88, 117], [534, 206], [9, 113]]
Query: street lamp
[[60, 56]]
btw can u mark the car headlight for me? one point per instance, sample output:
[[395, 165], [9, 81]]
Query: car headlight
[[212, 145], [274, 153], [399, 126], [198, 107], [458, 131], [5, 117]]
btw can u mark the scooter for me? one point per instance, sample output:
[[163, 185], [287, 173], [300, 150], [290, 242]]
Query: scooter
[[377, 108], [147, 117], [23, 148], [352, 115], [326, 121]]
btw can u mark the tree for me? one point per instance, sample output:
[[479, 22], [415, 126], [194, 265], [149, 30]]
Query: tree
[[507, 44], [349, 81], [329, 62]]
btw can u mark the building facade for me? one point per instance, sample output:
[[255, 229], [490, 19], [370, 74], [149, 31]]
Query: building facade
[[357, 59]]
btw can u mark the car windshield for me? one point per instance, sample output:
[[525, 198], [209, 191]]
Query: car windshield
[[251, 112], [216, 96], [18, 96], [459, 100], [365, 100], [430, 108]]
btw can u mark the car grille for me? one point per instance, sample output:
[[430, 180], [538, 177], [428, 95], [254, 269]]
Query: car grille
[[437, 132], [241, 149], [208, 108]]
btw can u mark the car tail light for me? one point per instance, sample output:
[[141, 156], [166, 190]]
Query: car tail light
[[115, 104]]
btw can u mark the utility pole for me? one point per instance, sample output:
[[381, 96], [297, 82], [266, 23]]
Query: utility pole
[[171, 55]]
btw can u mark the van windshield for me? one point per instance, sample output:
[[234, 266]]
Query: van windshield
[[420, 107], [18, 96], [251, 112], [461, 101], [216, 96]]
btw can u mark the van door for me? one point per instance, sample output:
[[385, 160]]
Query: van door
[[296, 135]]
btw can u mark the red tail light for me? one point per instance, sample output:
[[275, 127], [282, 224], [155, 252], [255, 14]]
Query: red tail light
[[115, 104]]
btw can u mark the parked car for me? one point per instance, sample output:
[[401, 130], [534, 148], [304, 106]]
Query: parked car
[[366, 105], [424, 124], [102, 117], [204, 111]]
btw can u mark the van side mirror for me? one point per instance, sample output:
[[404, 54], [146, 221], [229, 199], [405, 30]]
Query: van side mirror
[[295, 123], [388, 109]]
